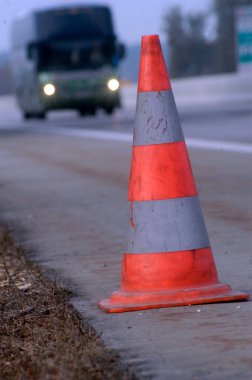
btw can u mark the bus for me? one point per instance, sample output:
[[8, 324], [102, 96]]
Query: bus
[[66, 58]]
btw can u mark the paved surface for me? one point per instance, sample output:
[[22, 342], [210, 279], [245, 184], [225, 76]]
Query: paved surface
[[65, 199]]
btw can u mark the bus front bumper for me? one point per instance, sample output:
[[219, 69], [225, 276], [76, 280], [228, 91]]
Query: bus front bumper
[[80, 100]]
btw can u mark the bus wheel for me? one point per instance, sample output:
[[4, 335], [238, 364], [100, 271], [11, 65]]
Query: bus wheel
[[109, 110], [92, 111], [82, 112], [87, 111], [40, 115], [27, 115]]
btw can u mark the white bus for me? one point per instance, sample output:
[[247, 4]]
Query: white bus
[[66, 58]]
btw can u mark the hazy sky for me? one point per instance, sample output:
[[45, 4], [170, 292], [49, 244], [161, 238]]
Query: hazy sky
[[133, 18]]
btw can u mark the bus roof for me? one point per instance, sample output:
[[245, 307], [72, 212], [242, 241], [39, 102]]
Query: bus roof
[[62, 22]]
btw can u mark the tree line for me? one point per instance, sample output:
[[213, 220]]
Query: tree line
[[192, 50]]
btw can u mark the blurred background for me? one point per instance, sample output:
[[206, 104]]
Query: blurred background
[[63, 182], [199, 37]]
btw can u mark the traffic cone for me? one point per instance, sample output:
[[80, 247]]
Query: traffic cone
[[168, 259]]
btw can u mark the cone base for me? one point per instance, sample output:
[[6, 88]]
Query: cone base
[[123, 300]]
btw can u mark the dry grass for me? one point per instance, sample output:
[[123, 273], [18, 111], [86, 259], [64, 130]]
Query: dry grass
[[41, 335]]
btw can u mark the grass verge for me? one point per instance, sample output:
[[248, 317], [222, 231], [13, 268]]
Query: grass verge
[[41, 334]]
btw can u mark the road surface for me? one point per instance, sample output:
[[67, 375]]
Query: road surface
[[63, 193]]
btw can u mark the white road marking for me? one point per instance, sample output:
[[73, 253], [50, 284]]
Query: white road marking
[[98, 135], [220, 146], [223, 146]]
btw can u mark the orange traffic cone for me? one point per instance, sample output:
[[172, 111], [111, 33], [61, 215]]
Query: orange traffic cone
[[168, 260]]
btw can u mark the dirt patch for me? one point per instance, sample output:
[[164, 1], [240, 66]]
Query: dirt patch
[[41, 334]]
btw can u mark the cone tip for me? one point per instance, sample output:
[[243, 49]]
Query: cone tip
[[154, 37], [153, 75]]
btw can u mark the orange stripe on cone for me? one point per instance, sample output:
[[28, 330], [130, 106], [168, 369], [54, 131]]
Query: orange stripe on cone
[[159, 271], [160, 171], [153, 74]]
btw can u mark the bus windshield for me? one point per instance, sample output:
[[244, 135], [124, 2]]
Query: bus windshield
[[72, 55], [72, 23]]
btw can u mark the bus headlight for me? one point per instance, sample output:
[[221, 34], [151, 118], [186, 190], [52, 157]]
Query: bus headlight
[[49, 89], [113, 84]]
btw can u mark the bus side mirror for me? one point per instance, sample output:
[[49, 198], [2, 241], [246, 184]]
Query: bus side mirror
[[29, 52], [121, 50], [32, 52]]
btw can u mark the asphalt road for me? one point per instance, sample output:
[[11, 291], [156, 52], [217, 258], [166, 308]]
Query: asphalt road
[[231, 124], [63, 193]]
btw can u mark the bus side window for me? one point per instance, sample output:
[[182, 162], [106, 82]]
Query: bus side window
[[32, 53], [29, 52], [121, 50]]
